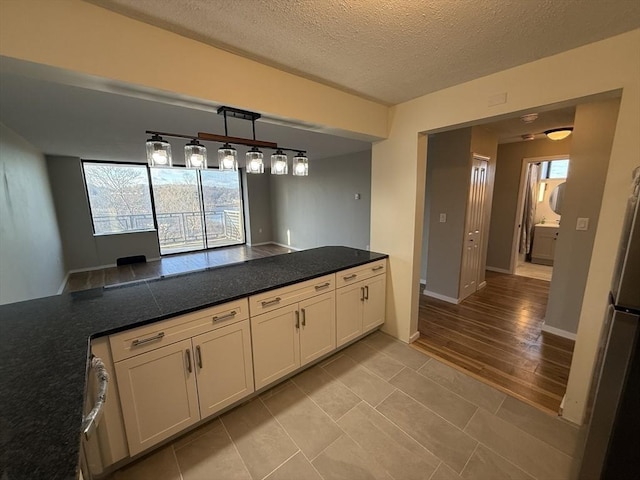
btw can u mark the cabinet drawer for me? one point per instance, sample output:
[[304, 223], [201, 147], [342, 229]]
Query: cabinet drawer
[[362, 272], [280, 297], [144, 339]]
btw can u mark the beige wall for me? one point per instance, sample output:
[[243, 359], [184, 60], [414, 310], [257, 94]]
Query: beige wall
[[506, 190], [398, 193], [91, 42], [31, 256]]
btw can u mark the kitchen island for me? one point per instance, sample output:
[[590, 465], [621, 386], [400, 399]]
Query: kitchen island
[[45, 345]]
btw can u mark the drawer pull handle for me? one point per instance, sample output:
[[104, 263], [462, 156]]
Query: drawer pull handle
[[350, 277], [304, 317], [275, 301], [188, 355], [199, 356], [362, 294], [324, 285], [297, 319], [379, 267], [231, 314], [366, 292], [137, 343]]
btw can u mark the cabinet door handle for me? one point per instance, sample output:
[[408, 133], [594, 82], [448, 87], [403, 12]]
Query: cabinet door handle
[[231, 314], [137, 342], [324, 285], [304, 318], [297, 319], [350, 277], [275, 301], [362, 294], [366, 292], [198, 356], [379, 267], [188, 355]]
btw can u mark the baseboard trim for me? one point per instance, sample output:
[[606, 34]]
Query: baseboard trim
[[259, 244], [441, 297], [499, 270], [64, 283], [90, 269], [423, 282], [286, 246], [558, 332], [414, 337]]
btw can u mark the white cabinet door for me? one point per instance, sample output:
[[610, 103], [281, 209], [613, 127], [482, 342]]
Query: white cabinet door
[[317, 327], [158, 394], [276, 347], [544, 245], [374, 303], [224, 367], [349, 302]]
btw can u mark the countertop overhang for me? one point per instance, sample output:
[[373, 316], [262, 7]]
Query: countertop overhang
[[44, 346]]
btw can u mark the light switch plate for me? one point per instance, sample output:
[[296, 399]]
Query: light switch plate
[[582, 224], [357, 196], [443, 218]]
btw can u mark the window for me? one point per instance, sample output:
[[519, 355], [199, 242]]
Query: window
[[555, 169], [119, 197]]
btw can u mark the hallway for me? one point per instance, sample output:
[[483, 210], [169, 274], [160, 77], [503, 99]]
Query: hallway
[[494, 335]]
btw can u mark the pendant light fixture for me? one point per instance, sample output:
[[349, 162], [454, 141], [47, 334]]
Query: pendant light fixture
[[558, 133], [300, 165], [255, 163], [279, 163], [158, 152], [195, 155]]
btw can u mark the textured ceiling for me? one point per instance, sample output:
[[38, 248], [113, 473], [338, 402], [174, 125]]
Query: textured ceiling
[[389, 50]]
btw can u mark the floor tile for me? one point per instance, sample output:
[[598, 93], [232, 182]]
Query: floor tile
[[476, 392], [330, 394], [445, 403], [401, 463], [296, 468], [440, 437], [307, 425], [397, 350], [159, 465], [209, 454], [201, 430], [363, 383], [551, 429], [445, 472], [345, 460], [487, 465], [261, 441], [382, 365], [527, 452]]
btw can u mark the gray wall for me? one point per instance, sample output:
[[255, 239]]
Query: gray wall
[[447, 184], [82, 249], [31, 256], [593, 133], [321, 209], [257, 207], [505, 193]]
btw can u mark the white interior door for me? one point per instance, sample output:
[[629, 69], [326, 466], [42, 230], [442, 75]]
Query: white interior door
[[474, 228]]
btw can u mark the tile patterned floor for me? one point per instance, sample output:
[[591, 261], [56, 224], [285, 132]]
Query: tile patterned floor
[[534, 270], [376, 410]]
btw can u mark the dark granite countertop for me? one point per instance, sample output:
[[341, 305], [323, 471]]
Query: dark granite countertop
[[44, 346]]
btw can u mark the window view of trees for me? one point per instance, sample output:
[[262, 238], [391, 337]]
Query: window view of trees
[[193, 209]]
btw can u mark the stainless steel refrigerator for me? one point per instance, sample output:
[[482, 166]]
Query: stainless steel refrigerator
[[612, 448]]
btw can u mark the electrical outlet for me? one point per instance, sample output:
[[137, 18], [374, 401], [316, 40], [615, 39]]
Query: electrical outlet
[[443, 218], [582, 224], [357, 196]]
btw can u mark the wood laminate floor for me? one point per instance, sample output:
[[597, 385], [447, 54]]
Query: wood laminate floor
[[495, 336], [170, 265]]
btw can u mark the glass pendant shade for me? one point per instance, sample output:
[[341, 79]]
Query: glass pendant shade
[[254, 161], [195, 155], [227, 158], [279, 164], [158, 152], [300, 165], [558, 133]]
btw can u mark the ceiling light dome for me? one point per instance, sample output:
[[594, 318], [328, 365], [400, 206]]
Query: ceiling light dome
[[558, 133]]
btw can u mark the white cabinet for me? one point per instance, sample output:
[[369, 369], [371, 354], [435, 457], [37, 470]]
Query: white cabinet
[[289, 337], [170, 387], [360, 300], [544, 244]]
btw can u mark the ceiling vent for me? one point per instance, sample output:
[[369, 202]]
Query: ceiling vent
[[529, 117]]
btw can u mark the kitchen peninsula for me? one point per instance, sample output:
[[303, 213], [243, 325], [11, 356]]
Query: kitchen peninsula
[[45, 345]]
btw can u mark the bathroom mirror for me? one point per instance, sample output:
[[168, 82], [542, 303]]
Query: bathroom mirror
[[556, 198]]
